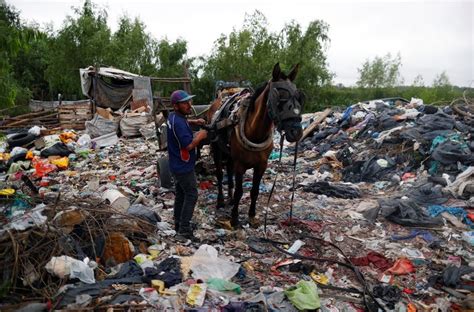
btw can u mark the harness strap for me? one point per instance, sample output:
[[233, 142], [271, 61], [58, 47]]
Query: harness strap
[[242, 138]]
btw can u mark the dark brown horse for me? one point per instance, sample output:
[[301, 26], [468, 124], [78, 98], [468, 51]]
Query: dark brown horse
[[248, 142]]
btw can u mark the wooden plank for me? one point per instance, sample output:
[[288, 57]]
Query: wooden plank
[[75, 117], [24, 116], [76, 113], [74, 110], [30, 120], [315, 123]]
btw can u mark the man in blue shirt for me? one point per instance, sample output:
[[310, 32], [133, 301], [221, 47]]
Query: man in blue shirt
[[182, 160]]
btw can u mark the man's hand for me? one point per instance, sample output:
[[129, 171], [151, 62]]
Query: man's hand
[[198, 137], [197, 122]]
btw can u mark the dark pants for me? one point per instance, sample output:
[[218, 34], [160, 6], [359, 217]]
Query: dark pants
[[185, 200]]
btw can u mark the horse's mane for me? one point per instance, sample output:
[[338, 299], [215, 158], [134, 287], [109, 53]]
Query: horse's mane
[[256, 94]]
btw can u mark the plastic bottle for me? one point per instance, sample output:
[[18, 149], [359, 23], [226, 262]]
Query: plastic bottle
[[296, 246]]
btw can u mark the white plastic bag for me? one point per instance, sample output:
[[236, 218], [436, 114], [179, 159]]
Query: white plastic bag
[[35, 130], [64, 266], [205, 264], [84, 141], [131, 123]]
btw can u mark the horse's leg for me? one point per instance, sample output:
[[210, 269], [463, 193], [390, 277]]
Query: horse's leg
[[230, 179], [239, 176], [257, 177], [217, 154]]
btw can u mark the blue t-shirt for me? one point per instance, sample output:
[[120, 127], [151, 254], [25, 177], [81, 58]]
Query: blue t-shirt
[[179, 136]]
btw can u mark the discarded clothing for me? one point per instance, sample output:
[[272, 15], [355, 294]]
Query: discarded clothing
[[372, 170], [168, 271], [93, 290], [58, 149], [404, 212], [427, 194], [436, 210], [402, 266], [333, 189], [451, 277], [451, 152], [144, 213], [389, 294], [427, 236], [243, 307], [128, 269], [378, 260]]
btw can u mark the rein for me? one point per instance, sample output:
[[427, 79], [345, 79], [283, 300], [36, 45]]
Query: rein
[[282, 140]]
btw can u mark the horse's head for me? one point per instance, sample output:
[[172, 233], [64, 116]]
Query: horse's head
[[285, 103]]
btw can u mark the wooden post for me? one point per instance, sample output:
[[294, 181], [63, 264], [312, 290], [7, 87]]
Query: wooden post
[[187, 84]]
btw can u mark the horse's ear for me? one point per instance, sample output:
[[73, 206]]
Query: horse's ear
[[294, 72], [276, 72]]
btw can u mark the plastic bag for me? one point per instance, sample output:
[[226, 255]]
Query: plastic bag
[[66, 266], [35, 130], [17, 150], [223, 285], [61, 163], [99, 126], [131, 123], [67, 137], [84, 141], [196, 295], [42, 167], [205, 264], [304, 296]]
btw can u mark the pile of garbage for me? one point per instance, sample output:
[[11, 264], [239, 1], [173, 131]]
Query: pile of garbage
[[380, 217]]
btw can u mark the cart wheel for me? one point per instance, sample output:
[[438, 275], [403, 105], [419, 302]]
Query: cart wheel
[[163, 168]]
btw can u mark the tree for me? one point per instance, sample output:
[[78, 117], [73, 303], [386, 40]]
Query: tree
[[11, 41], [418, 81], [132, 48], [82, 41], [381, 72], [441, 80], [250, 53]]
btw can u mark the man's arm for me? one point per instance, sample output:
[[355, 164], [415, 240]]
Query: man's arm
[[197, 122], [200, 135]]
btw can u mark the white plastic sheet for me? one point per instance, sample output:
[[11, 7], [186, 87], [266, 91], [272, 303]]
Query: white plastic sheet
[[99, 126], [205, 264]]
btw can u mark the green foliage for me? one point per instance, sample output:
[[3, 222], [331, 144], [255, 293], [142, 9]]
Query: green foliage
[[381, 72], [133, 49], [41, 64], [11, 42], [81, 42], [331, 96], [250, 53]]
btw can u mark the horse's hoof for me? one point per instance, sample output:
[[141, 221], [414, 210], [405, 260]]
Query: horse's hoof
[[235, 224], [225, 224], [254, 222]]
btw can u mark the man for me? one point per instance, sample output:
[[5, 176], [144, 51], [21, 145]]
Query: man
[[182, 160]]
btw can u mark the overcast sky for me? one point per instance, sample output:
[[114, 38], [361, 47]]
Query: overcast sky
[[431, 36]]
